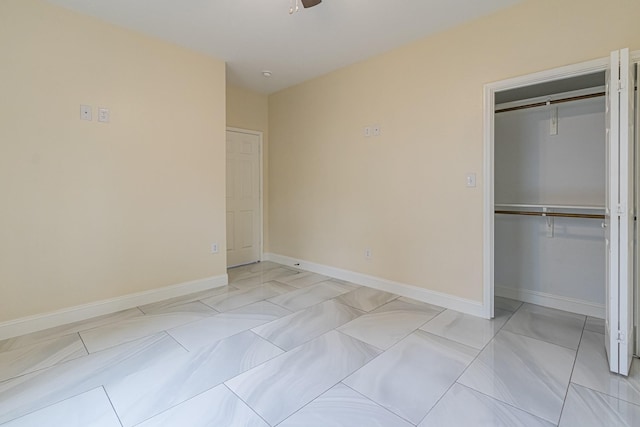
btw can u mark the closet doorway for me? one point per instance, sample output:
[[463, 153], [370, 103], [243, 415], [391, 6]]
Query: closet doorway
[[560, 196]]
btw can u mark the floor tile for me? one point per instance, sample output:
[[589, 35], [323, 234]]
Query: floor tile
[[462, 406], [71, 328], [31, 392], [409, 378], [366, 299], [588, 408], [315, 294], [262, 266], [87, 409], [212, 329], [304, 279], [189, 308], [259, 278], [524, 372], [177, 379], [547, 324], [507, 304], [237, 273], [466, 329], [343, 407], [123, 331], [215, 407], [252, 268], [592, 371], [241, 297], [166, 305], [594, 324], [388, 324], [280, 387], [305, 325], [42, 355]]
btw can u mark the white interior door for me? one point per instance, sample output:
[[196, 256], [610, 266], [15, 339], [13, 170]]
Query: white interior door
[[244, 219], [619, 214]]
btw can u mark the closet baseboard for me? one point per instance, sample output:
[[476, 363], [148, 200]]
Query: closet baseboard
[[39, 322], [474, 308], [552, 301]]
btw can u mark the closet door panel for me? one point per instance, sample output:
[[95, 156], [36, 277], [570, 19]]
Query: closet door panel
[[611, 226], [620, 212], [627, 211]]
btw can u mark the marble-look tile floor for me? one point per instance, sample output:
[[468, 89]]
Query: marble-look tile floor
[[282, 347]]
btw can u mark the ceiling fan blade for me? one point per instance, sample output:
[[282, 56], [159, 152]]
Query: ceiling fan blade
[[310, 3]]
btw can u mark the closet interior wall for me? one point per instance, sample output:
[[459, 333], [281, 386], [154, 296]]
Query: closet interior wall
[[555, 261]]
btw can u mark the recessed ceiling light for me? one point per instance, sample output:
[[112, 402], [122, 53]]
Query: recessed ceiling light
[[266, 73]]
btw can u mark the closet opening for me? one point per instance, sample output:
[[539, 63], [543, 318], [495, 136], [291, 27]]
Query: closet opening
[[550, 191]]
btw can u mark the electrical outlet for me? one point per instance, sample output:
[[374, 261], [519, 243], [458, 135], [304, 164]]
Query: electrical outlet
[[368, 254], [376, 130], [367, 131], [214, 248]]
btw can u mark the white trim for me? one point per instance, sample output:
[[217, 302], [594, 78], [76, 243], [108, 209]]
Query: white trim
[[560, 73], [437, 298], [39, 322], [560, 95], [489, 112], [488, 204], [259, 134], [553, 301]]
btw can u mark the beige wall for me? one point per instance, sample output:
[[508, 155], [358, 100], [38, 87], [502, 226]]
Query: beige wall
[[249, 110], [334, 193], [92, 211]]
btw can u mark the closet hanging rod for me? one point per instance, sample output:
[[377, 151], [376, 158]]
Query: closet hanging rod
[[552, 214], [522, 206], [551, 102]]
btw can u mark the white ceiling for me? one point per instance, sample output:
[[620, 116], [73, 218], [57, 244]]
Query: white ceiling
[[256, 35]]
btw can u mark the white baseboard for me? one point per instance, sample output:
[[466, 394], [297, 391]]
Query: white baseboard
[[39, 322], [552, 301], [437, 298]]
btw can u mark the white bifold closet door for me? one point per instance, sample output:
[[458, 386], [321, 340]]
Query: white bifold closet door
[[620, 212]]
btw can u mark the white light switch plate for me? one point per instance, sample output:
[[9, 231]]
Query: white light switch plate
[[103, 115], [471, 180]]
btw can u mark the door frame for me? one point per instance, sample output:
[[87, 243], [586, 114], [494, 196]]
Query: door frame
[[260, 136], [488, 254]]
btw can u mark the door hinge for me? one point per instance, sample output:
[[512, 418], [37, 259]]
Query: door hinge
[[621, 339], [620, 210]]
